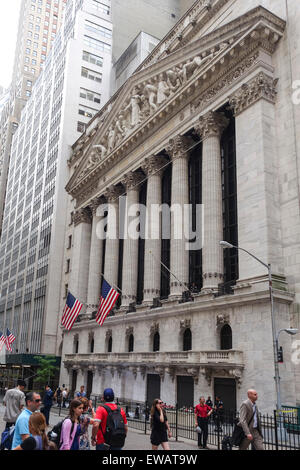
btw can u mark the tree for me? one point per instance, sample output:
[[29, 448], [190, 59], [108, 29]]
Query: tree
[[46, 368]]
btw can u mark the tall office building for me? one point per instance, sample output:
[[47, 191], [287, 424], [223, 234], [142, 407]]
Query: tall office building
[[39, 22], [72, 87]]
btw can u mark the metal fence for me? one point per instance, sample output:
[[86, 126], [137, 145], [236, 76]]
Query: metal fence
[[281, 431]]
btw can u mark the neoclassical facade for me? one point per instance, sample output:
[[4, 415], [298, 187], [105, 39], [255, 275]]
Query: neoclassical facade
[[201, 123]]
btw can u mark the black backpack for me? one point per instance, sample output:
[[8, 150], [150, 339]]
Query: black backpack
[[115, 432], [227, 443], [55, 434]]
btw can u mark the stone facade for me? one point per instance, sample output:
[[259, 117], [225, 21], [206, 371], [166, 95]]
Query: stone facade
[[178, 96]]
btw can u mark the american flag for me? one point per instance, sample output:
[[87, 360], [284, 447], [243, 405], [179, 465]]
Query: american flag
[[71, 311], [108, 299], [10, 338], [2, 340]]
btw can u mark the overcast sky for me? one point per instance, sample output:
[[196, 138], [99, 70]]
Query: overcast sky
[[9, 18]]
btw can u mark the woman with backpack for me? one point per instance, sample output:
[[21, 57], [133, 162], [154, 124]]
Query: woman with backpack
[[71, 428], [160, 429], [38, 439]]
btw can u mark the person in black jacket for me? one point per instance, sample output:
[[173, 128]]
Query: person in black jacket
[[160, 429], [47, 403]]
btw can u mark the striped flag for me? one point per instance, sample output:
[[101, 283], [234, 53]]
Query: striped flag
[[71, 311], [2, 340], [108, 299], [10, 338]]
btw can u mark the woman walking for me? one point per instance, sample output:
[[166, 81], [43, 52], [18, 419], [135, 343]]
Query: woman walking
[[160, 429], [38, 439], [71, 429], [85, 420]]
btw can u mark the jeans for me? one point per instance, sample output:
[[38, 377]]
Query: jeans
[[203, 435], [46, 413]]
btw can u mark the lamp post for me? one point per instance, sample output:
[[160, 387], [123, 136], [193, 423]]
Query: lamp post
[[225, 244]]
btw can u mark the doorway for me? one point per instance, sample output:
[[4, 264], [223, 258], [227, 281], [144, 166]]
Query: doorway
[[185, 391], [153, 388], [226, 390]]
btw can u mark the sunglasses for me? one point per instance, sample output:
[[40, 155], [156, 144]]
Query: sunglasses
[[37, 400], [160, 402]]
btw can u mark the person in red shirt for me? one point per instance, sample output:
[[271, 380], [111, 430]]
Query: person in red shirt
[[202, 413], [99, 426]]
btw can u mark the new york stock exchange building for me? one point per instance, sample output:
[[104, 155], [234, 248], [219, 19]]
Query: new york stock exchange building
[[207, 121]]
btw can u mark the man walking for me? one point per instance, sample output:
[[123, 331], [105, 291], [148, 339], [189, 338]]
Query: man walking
[[100, 439], [202, 413], [219, 414], [14, 402], [250, 422], [82, 393], [64, 397], [47, 403], [33, 401]]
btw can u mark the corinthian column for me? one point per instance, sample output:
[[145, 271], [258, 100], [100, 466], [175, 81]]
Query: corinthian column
[[96, 254], [78, 285], [179, 265], [153, 167], [210, 129], [131, 242], [111, 267]]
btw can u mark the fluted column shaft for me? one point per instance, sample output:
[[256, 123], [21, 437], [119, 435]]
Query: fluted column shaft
[[179, 264], [152, 273], [131, 242], [111, 266], [78, 284], [210, 128], [96, 255]]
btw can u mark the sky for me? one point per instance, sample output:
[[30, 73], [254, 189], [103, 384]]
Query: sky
[[9, 18]]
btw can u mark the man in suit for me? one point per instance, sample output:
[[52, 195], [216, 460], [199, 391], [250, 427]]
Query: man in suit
[[249, 420]]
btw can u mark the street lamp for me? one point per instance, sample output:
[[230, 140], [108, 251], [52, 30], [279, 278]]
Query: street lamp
[[225, 244]]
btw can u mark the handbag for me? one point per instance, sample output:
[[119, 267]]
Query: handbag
[[238, 434]]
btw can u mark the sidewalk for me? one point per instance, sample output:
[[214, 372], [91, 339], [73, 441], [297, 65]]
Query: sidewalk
[[136, 440]]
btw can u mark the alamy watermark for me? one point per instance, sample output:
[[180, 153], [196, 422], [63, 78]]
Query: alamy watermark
[[154, 222]]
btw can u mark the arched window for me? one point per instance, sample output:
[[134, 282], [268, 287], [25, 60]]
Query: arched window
[[92, 345], [226, 337], [130, 343], [187, 340], [156, 340], [109, 346]]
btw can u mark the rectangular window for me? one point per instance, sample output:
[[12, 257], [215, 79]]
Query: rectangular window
[[95, 44], [80, 127], [86, 111], [91, 75], [97, 29], [29, 83], [90, 95], [92, 58], [101, 7]]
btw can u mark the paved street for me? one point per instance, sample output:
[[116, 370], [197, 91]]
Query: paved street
[[136, 440]]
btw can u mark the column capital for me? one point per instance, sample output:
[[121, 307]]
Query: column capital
[[81, 216], [94, 204], [154, 164], [112, 193], [261, 87], [211, 124], [177, 147], [132, 180]]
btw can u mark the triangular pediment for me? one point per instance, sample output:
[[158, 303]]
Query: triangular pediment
[[151, 91]]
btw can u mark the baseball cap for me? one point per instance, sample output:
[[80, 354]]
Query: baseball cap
[[108, 394]]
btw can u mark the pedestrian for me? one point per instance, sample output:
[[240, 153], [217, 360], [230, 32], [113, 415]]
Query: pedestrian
[[250, 422], [58, 396], [38, 439], [85, 420], [202, 413], [71, 429], [14, 402], [82, 393], [218, 414], [32, 404], [64, 397], [209, 402], [47, 403], [160, 429], [109, 416]]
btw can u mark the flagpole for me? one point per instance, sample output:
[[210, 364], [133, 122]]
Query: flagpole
[[181, 283]]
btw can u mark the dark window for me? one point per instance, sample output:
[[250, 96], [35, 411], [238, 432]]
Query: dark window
[[226, 337], [195, 190], [187, 340], [76, 346], [109, 348], [92, 345], [156, 341], [131, 343], [165, 242]]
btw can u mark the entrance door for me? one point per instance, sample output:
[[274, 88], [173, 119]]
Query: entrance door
[[74, 382], [226, 390], [89, 385], [153, 388], [185, 391]]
